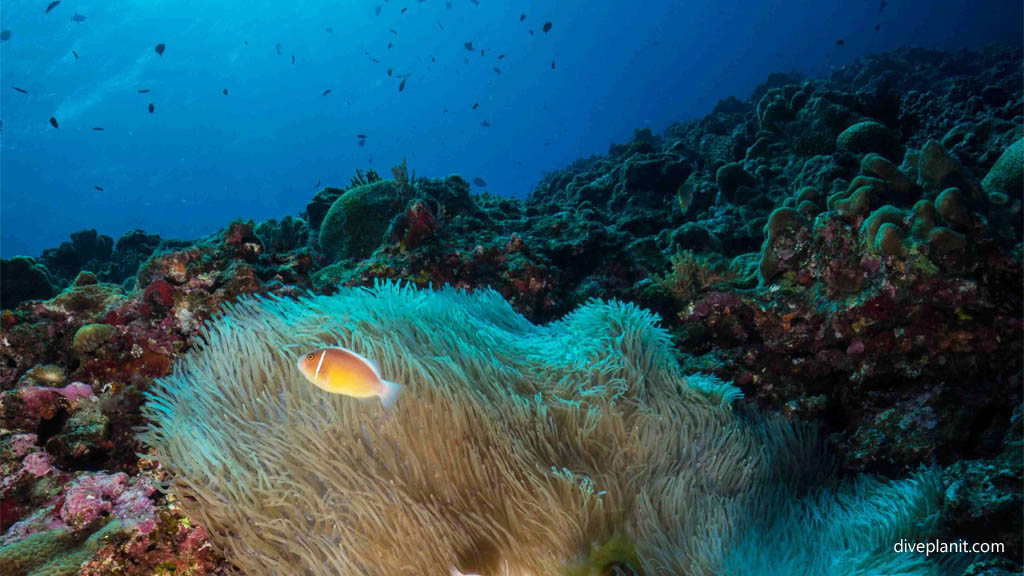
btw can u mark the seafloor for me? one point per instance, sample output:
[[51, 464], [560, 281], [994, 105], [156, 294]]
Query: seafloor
[[846, 250]]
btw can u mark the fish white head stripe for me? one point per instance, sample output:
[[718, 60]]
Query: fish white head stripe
[[319, 364]]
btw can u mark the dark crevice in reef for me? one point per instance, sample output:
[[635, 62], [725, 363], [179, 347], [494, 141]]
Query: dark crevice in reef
[[50, 427]]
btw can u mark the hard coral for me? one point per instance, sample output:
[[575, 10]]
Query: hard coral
[[23, 279], [173, 546], [355, 224], [420, 225], [692, 276]]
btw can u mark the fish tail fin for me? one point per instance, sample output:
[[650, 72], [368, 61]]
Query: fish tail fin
[[389, 394]]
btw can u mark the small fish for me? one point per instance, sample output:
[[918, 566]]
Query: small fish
[[881, 6], [375, 60], [390, 45], [293, 58], [100, 188], [468, 45], [877, 26], [482, 53], [224, 91], [389, 72], [329, 30], [441, 26], [53, 122], [361, 143], [501, 56], [404, 10], [326, 92], [22, 90], [160, 48], [476, 105], [395, 32], [546, 28], [51, 6], [522, 17], [401, 86], [78, 18], [432, 59], [840, 42], [5, 35], [361, 136], [75, 54], [377, 10], [478, 181], [152, 108], [98, 128], [531, 31], [277, 48], [497, 71], [342, 371], [143, 91], [317, 183], [552, 64], [485, 124]]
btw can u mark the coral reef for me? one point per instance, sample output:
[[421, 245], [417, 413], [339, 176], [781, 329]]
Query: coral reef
[[846, 250], [354, 225], [23, 279]]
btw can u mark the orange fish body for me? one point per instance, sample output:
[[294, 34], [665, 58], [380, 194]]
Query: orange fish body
[[342, 371]]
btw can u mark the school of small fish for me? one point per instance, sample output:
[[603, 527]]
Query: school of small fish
[[161, 47]]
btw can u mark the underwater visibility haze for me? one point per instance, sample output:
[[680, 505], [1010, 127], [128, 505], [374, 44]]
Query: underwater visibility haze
[[257, 151], [471, 287]]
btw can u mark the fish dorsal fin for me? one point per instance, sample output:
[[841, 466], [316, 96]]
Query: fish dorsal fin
[[373, 364]]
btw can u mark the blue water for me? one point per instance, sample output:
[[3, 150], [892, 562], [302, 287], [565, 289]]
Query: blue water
[[203, 158]]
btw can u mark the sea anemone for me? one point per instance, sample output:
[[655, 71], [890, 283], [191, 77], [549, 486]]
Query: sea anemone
[[517, 449]]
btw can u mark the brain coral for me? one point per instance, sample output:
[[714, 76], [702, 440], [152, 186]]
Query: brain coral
[[517, 449]]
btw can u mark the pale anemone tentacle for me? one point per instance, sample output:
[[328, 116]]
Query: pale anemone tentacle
[[516, 450]]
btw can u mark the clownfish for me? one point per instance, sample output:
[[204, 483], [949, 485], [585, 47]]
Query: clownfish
[[342, 371]]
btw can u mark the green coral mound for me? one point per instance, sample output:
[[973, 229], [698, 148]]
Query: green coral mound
[[516, 449], [58, 552], [91, 336], [1007, 175], [23, 279], [358, 219], [870, 136]]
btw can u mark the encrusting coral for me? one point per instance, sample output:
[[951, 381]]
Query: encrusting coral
[[516, 449]]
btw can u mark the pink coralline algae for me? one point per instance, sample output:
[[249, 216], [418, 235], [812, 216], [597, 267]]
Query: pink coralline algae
[[44, 399], [22, 444], [73, 391], [102, 494], [172, 546], [37, 463]]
